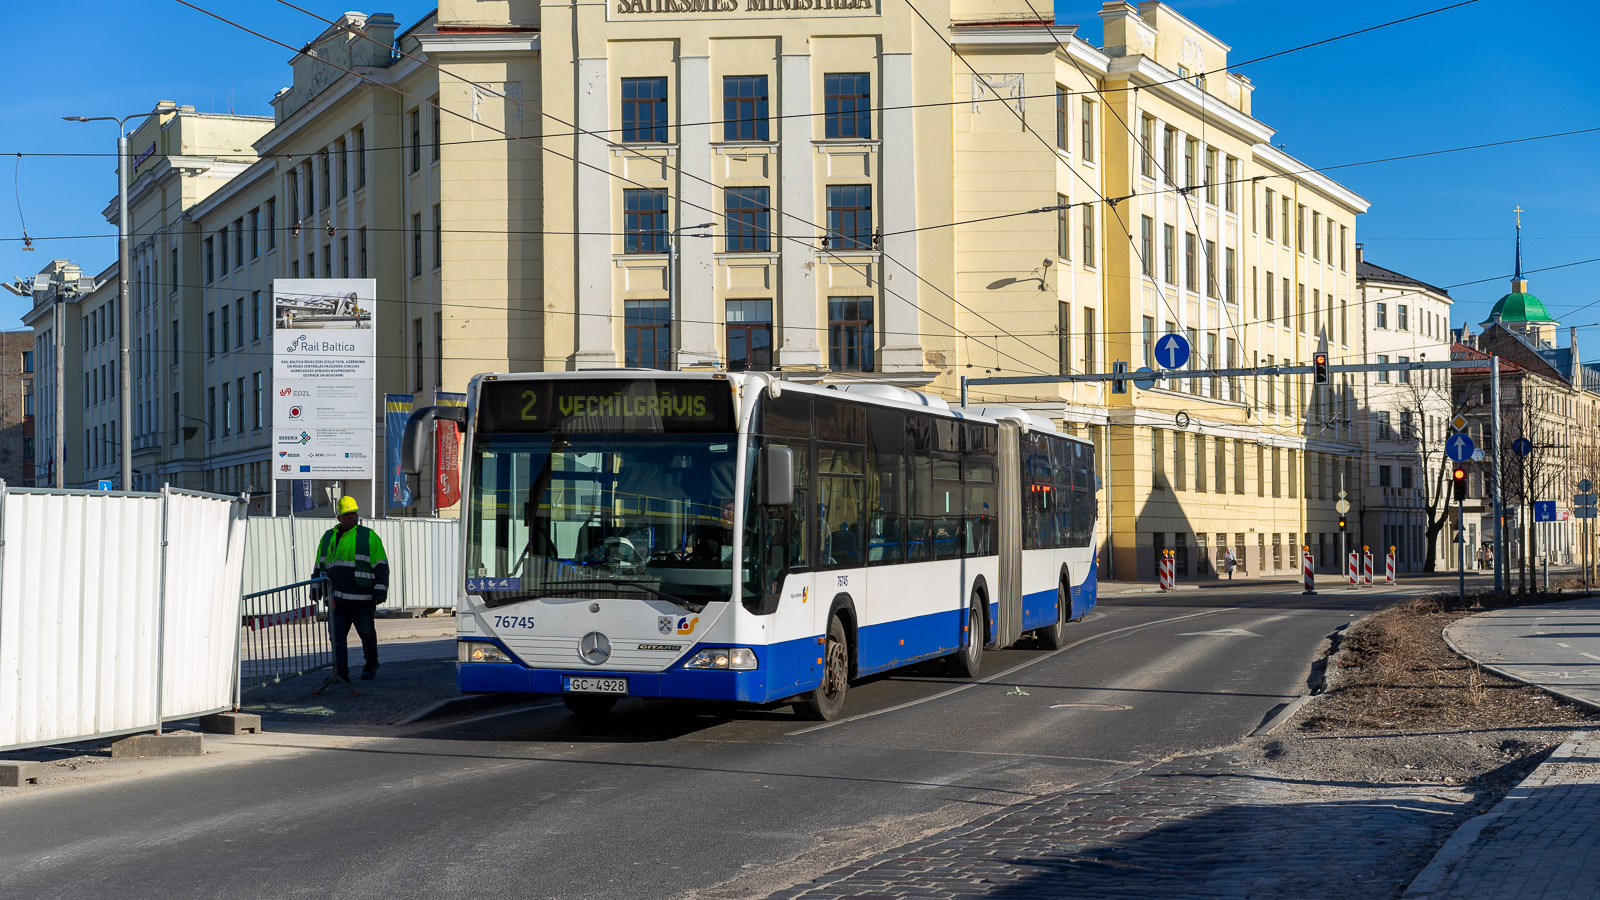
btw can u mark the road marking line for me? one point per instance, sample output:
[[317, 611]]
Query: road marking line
[[1590, 655], [999, 675], [1559, 644]]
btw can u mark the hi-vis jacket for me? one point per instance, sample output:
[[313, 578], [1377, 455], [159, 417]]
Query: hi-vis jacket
[[355, 564]]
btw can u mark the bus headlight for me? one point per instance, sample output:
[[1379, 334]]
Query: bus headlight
[[723, 658], [480, 652]]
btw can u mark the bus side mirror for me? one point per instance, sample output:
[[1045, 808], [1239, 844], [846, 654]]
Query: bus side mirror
[[413, 446], [777, 464]]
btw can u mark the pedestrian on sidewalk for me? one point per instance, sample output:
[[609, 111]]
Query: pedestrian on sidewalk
[[351, 556], [1480, 556], [1229, 561]]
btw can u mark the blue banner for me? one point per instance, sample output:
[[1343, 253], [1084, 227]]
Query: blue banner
[[300, 497], [396, 410]]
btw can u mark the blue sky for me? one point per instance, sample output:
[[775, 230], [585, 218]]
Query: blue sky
[[1467, 76]]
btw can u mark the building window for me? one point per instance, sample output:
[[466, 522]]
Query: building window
[[238, 318], [1147, 251], [850, 334], [1229, 272], [1190, 263], [361, 157], [749, 332], [1088, 341], [438, 237], [744, 108], [1211, 176], [416, 244], [416, 139], [272, 233], [1063, 339], [1190, 148], [644, 221], [1088, 131], [1383, 376], [255, 315], [847, 105], [1061, 117], [416, 358], [344, 255], [1169, 254], [222, 245], [1211, 268], [1402, 318], [749, 219], [255, 407], [1147, 140], [1169, 141], [172, 282], [1316, 230], [434, 114], [177, 419], [1063, 218], [361, 248], [1300, 228], [1088, 237], [255, 232], [224, 328], [1230, 168], [27, 361], [227, 410], [1149, 342], [211, 262], [1405, 477], [1382, 315], [1269, 215], [1404, 376], [647, 333], [211, 334], [850, 217], [644, 110], [1384, 476], [326, 159], [211, 414], [1344, 242]]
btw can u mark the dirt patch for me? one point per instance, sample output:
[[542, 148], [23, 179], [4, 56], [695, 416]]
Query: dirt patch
[[1399, 706]]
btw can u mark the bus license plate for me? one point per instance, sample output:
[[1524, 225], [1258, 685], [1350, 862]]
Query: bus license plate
[[576, 685]]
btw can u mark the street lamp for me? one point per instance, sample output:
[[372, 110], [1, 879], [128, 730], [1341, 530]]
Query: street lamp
[[672, 262], [124, 316]]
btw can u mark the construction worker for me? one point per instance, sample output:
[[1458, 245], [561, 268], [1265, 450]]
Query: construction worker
[[352, 558]]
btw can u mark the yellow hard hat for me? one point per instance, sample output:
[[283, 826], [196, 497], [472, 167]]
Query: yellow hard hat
[[347, 505]]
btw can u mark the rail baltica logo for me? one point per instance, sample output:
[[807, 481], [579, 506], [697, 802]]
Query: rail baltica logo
[[300, 343]]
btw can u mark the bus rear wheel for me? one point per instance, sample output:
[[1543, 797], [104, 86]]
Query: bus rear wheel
[[589, 706], [826, 702], [969, 660], [1054, 636]]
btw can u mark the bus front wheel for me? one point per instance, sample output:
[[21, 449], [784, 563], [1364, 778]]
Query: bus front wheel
[[1054, 636], [826, 702]]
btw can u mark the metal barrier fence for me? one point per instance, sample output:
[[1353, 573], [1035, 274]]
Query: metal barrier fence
[[424, 557], [282, 634]]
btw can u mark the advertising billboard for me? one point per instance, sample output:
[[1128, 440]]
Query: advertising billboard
[[324, 374]]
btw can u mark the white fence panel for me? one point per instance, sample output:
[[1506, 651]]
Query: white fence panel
[[205, 543], [424, 557], [80, 603]]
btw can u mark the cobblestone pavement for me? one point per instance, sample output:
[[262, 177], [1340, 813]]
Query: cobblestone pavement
[[1198, 826], [1542, 840]]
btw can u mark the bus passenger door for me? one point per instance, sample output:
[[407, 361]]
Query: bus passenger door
[[1008, 537]]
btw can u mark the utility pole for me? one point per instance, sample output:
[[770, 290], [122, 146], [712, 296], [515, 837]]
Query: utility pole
[[1494, 472]]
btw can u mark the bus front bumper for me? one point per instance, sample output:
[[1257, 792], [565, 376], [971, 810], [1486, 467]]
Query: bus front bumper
[[515, 678]]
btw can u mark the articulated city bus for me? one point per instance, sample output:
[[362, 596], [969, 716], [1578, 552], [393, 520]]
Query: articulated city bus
[[737, 537]]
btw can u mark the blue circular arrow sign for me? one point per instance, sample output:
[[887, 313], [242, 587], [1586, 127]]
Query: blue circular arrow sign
[[1521, 447], [1146, 382], [1459, 447], [1172, 351]]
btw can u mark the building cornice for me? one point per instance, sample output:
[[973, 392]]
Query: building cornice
[[1294, 168], [253, 174], [315, 109], [490, 42], [1145, 73]]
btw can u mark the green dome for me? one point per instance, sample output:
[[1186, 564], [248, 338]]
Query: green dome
[[1520, 306]]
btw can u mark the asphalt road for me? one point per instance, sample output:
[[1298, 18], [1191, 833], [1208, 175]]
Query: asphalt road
[[673, 799]]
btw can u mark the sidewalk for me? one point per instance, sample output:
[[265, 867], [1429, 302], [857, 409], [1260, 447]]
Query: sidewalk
[[1543, 839]]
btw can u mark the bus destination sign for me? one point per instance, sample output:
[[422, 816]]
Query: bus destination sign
[[640, 406]]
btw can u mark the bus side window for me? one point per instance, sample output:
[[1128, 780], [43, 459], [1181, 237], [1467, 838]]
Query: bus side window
[[886, 485]]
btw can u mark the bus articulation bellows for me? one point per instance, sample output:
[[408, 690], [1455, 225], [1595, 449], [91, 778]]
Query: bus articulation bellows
[[741, 538]]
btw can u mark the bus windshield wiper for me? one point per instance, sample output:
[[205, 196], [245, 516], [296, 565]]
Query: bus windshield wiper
[[690, 605], [557, 588]]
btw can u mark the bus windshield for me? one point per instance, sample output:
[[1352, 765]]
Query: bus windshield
[[601, 505]]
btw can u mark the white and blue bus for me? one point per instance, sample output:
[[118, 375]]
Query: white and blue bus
[[736, 537]]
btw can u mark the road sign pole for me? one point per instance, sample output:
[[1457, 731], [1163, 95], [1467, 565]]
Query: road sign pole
[[1461, 544], [1494, 472]]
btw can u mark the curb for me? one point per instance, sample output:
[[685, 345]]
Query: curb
[[1581, 701], [1430, 881]]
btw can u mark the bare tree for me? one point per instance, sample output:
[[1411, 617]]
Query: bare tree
[[1426, 409]]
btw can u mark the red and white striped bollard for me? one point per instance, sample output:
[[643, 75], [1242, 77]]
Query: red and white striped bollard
[[1306, 566], [1388, 567], [1353, 569], [1366, 565]]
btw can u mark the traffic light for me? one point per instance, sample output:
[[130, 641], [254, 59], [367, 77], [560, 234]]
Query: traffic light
[[1341, 523], [1320, 362], [1458, 477]]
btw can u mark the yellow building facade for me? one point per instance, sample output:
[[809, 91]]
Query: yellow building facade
[[831, 189]]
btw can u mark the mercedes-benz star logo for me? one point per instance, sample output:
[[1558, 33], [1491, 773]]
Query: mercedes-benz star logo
[[595, 648]]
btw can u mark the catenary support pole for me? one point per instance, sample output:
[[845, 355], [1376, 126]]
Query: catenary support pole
[[1494, 474], [58, 465], [161, 606], [124, 315]]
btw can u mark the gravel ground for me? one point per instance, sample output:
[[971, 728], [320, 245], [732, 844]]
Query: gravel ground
[[1400, 707]]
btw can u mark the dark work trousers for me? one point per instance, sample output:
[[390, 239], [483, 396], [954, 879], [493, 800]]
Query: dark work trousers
[[345, 614]]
